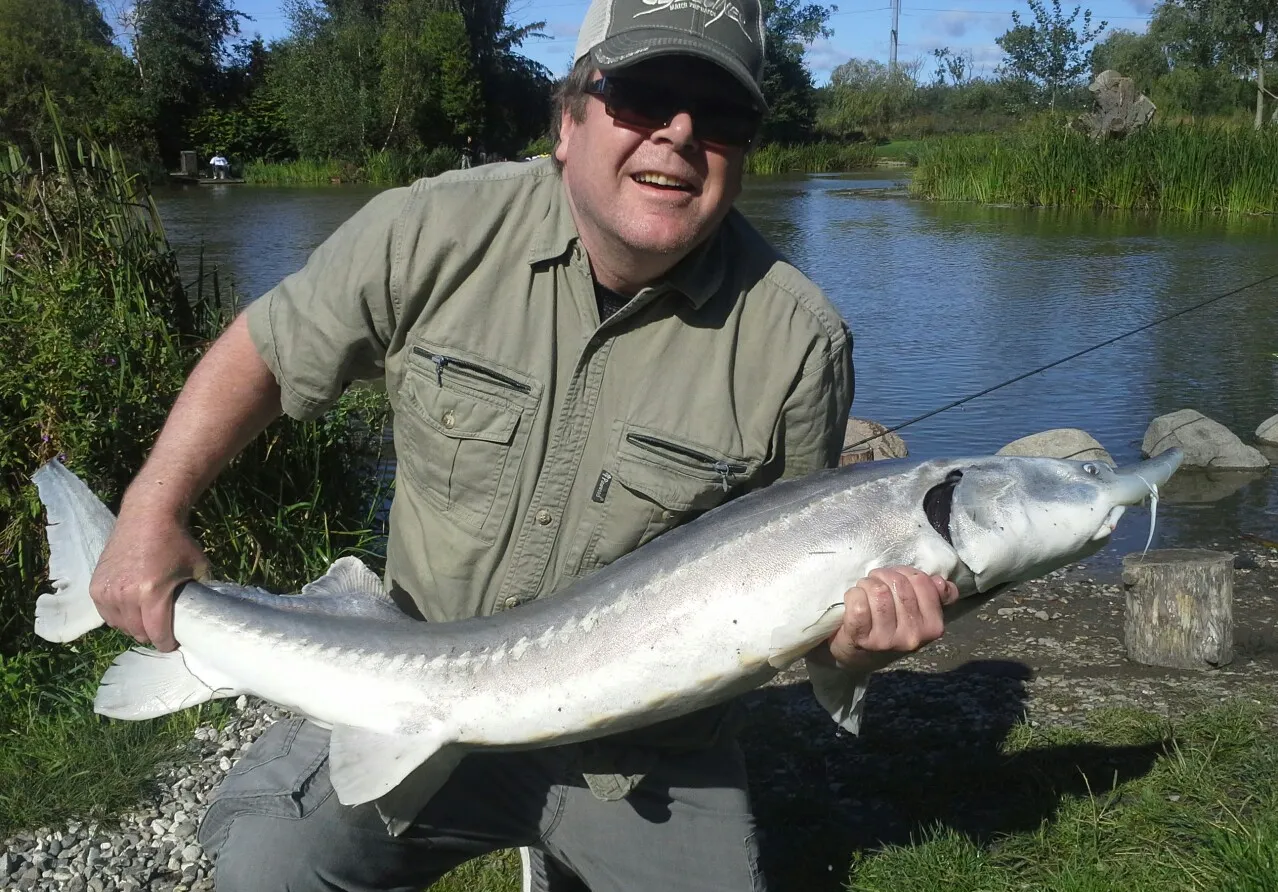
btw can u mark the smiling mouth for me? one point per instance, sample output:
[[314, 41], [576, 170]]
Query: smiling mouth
[[661, 181]]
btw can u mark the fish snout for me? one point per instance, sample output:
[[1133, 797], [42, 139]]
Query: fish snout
[[1134, 483]]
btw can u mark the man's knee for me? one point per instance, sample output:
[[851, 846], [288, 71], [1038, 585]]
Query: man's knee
[[269, 854]]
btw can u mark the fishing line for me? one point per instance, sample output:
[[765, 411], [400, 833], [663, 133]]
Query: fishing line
[[1043, 368]]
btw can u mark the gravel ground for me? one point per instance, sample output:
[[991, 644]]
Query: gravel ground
[[1049, 652]]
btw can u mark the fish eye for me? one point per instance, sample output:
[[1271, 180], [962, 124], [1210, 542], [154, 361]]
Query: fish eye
[[1091, 468]]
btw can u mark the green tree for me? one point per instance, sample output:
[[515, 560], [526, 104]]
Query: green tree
[[64, 47], [1247, 31], [180, 48], [429, 93], [866, 98], [790, 26], [327, 77], [1052, 52], [1139, 56]]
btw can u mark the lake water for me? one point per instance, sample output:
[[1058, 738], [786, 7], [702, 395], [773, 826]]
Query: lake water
[[947, 300]]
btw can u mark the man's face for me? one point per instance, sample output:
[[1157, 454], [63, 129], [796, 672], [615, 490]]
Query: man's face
[[652, 195]]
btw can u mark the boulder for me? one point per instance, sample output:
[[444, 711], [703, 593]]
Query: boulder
[[1120, 110], [1207, 443], [881, 443], [1063, 442], [1267, 433]]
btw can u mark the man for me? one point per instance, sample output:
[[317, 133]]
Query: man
[[220, 166], [581, 354]]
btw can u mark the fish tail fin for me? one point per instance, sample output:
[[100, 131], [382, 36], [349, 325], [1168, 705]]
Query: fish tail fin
[[145, 684], [78, 527]]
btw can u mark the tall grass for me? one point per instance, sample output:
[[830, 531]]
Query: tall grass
[[98, 334], [821, 157], [1189, 168], [383, 168]]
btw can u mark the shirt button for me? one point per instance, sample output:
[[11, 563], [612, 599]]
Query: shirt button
[[512, 602], [449, 419], [543, 517], [667, 516]]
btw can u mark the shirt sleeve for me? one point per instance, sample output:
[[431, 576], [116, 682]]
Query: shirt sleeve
[[330, 323], [815, 417]]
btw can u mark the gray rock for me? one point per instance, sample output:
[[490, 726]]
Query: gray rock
[[1267, 433], [880, 445], [1206, 443], [1063, 442]]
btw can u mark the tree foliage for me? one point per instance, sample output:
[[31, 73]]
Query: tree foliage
[[179, 49], [1052, 51], [1246, 32], [790, 26], [64, 47]]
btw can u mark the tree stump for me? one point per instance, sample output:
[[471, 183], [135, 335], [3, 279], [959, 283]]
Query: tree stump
[[1180, 608]]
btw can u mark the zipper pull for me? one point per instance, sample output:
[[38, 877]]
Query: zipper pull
[[724, 470], [440, 362]]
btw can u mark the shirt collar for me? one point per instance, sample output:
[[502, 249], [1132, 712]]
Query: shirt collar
[[697, 277]]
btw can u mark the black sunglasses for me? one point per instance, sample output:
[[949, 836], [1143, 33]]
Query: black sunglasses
[[649, 106]]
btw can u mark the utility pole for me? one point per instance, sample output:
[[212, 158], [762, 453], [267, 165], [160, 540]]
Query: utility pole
[[896, 30]]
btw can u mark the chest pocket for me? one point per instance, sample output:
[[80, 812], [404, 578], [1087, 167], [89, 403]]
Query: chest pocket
[[655, 482], [461, 434]]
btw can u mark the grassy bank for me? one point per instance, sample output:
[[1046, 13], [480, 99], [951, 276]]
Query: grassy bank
[[821, 157], [1202, 818], [383, 168], [1185, 168], [98, 336]]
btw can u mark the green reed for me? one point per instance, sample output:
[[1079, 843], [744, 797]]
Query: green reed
[[1190, 168], [98, 333], [821, 157], [384, 168]]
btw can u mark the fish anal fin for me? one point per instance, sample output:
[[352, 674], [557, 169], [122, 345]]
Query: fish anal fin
[[840, 692], [146, 684], [365, 765]]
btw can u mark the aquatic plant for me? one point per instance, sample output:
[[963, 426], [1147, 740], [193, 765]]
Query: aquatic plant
[[1191, 168], [820, 157]]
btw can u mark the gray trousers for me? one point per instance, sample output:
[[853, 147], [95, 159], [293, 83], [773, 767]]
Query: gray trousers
[[275, 824]]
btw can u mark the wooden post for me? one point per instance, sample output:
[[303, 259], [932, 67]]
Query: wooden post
[[1180, 607]]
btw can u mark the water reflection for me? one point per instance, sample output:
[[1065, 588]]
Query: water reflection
[[947, 299]]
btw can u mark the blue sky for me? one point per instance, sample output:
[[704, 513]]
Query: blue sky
[[861, 28]]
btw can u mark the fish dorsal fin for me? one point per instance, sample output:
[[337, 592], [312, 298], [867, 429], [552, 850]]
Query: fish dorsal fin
[[346, 577], [365, 765]]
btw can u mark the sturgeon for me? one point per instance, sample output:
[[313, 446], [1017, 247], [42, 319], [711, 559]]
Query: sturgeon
[[707, 611]]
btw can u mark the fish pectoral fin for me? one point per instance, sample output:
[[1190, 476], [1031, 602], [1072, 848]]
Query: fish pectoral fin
[[789, 642], [840, 692], [145, 684], [401, 805], [365, 765]]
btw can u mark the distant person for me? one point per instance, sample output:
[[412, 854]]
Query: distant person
[[221, 167], [468, 151]]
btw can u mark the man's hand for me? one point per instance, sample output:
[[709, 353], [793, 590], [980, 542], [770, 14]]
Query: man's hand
[[145, 560], [893, 611]]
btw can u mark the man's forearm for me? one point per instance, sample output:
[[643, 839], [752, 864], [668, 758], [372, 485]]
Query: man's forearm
[[230, 397]]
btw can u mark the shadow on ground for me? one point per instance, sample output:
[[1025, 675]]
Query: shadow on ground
[[931, 754]]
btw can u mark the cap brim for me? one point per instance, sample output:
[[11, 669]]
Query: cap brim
[[623, 50]]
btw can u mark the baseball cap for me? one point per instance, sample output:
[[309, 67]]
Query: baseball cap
[[617, 33]]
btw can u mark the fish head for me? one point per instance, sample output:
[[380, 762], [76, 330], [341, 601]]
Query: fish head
[[1010, 518]]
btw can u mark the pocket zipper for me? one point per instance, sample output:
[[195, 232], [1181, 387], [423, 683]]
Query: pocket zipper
[[726, 470], [440, 361]]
